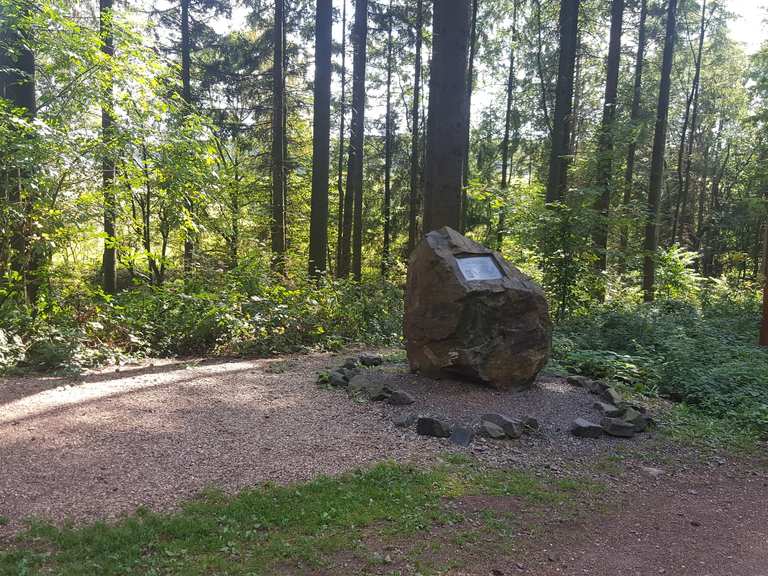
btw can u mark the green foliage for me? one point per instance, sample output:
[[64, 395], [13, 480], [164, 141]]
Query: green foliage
[[228, 313], [705, 356]]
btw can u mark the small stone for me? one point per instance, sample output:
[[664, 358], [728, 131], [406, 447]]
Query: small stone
[[618, 427], [609, 410], [348, 373], [512, 428], [462, 436], [362, 384], [338, 379], [350, 363], [636, 419], [370, 360], [404, 420], [582, 428], [400, 398], [427, 426], [531, 424], [491, 430], [612, 396], [652, 472], [578, 380]]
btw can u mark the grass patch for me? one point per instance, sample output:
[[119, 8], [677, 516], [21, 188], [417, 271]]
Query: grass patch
[[696, 428], [261, 530]]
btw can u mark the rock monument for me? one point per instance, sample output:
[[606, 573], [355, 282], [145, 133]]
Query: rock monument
[[470, 314]]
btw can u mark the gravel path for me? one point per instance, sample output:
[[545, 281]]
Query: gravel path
[[102, 445], [110, 442]]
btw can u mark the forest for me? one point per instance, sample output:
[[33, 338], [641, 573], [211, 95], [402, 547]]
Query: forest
[[201, 177]]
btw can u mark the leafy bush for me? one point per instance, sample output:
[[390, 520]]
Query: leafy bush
[[228, 314], [705, 356]]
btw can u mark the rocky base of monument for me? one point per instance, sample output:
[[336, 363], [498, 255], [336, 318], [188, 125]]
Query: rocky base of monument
[[555, 409], [618, 418]]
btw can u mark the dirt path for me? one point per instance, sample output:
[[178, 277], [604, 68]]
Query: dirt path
[[102, 445]]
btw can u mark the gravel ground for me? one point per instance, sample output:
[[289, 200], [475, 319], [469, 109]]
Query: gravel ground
[[100, 446]]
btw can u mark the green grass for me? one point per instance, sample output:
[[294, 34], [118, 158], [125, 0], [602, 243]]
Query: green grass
[[261, 530]]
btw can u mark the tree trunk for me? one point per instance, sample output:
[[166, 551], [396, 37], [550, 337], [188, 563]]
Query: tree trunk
[[18, 86], [447, 105], [468, 113], [764, 323], [683, 201], [186, 96], [278, 143], [340, 239], [385, 255], [353, 205], [413, 226], [540, 70], [637, 96], [321, 139], [559, 160], [108, 162], [510, 116], [605, 146], [657, 158]]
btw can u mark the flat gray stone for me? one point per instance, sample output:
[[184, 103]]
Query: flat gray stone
[[404, 420], [609, 410], [337, 379], [636, 419], [462, 436], [582, 428], [512, 428], [491, 430], [427, 426], [612, 396], [370, 360], [400, 398], [618, 427]]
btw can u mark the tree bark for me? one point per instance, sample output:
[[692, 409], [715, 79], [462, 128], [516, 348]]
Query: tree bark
[[340, 239], [278, 142], [186, 96], [353, 205], [559, 160], [445, 125], [109, 280], [657, 158], [637, 96], [385, 255], [605, 146], [468, 113], [413, 227], [683, 200], [540, 70], [321, 139], [510, 116]]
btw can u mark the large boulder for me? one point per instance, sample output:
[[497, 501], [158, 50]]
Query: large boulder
[[470, 314]]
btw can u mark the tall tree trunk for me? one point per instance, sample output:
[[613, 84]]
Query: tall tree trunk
[[18, 86], [605, 145], [353, 205], [468, 113], [764, 323], [657, 158], [321, 138], [108, 161], [342, 115], [278, 142], [543, 84], [637, 97], [447, 105], [186, 96], [413, 226], [694, 124], [559, 160], [510, 116], [385, 255]]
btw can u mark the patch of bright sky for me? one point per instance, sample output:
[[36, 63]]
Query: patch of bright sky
[[749, 26]]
